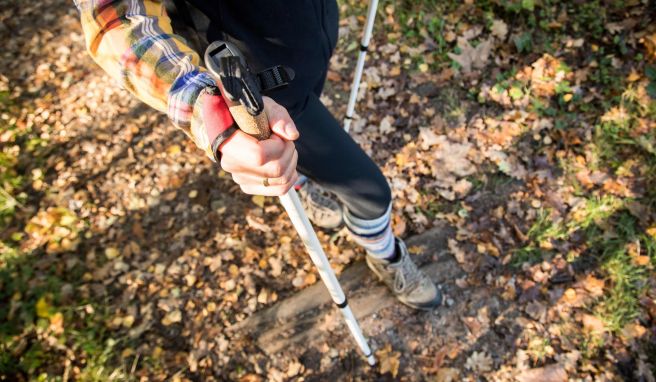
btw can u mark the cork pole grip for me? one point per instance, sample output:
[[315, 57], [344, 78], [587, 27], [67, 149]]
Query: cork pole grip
[[255, 126]]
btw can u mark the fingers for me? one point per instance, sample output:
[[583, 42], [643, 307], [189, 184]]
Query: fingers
[[244, 178], [241, 151], [277, 168], [279, 120], [271, 190], [264, 159], [274, 159]]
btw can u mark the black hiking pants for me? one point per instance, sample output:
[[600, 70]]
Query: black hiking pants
[[331, 158]]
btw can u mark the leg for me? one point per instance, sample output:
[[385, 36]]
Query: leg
[[330, 157]]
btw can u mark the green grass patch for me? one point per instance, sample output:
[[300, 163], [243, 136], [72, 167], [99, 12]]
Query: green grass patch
[[628, 278]]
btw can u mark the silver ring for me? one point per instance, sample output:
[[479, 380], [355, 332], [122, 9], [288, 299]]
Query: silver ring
[[265, 182]]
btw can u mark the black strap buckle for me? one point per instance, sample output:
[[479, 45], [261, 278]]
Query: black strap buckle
[[275, 77]]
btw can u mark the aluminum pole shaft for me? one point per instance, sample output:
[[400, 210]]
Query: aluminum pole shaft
[[364, 45], [299, 219]]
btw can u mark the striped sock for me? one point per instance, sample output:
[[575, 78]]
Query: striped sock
[[375, 236]]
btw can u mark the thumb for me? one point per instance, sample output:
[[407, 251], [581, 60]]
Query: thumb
[[279, 120]]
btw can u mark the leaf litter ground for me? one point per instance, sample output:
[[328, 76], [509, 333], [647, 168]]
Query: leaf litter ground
[[528, 128]]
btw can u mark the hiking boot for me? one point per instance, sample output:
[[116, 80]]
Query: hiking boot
[[410, 285], [322, 210]]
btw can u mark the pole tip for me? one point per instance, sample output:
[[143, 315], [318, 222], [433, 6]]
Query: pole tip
[[371, 360]]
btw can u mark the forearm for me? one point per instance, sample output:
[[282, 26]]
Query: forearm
[[133, 42]]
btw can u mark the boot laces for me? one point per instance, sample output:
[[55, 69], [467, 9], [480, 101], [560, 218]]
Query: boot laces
[[407, 276]]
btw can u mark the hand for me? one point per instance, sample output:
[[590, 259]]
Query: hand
[[251, 162]]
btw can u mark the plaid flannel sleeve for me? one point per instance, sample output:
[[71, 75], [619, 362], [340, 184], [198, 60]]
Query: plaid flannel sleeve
[[133, 41]]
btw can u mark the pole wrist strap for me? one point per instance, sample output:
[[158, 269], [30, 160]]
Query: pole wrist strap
[[218, 141]]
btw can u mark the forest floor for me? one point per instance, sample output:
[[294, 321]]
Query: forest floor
[[518, 134]]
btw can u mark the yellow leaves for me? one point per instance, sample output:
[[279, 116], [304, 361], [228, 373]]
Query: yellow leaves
[[111, 253], [173, 149], [258, 200], [119, 320], [157, 352], [651, 231], [58, 228], [302, 279], [57, 323], [570, 295], [416, 250], [633, 249], [172, 317], [544, 76], [43, 307], [633, 76], [310, 279], [128, 321], [617, 115], [190, 280], [388, 360]]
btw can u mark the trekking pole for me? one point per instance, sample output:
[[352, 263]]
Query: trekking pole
[[235, 80], [364, 45]]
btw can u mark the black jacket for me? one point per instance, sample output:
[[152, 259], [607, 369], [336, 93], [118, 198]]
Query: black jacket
[[300, 34]]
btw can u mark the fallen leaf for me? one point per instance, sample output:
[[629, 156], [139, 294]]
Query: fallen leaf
[[593, 285], [499, 29], [258, 200], [472, 57], [172, 317], [257, 223], [386, 126], [537, 310], [111, 253], [447, 374], [632, 331], [57, 323], [389, 360], [479, 362], [551, 373], [593, 324], [457, 252], [43, 307], [429, 137]]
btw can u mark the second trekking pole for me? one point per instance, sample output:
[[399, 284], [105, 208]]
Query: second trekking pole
[[357, 77], [239, 89]]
